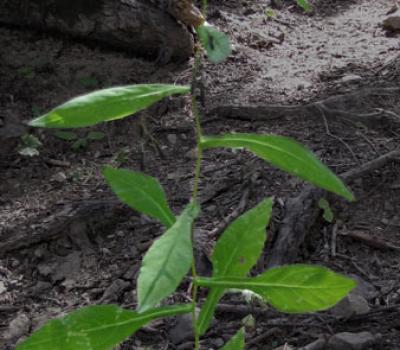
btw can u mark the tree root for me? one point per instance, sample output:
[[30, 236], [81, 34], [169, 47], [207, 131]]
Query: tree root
[[333, 107]]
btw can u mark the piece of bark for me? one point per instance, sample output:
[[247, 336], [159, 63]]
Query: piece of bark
[[137, 25]]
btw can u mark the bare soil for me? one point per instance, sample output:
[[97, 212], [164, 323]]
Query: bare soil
[[329, 79]]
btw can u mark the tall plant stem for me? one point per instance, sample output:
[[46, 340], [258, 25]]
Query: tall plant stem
[[199, 156]]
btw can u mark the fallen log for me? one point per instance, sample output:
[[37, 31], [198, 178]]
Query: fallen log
[[139, 26]]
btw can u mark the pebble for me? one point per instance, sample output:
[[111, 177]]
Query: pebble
[[350, 78], [364, 288], [172, 138], [352, 304], [392, 22], [60, 177], [18, 327], [351, 341], [183, 329], [3, 287]]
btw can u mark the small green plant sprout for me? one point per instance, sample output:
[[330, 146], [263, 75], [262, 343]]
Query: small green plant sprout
[[270, 13], [29, 145], [293, 289], [327, 213], [305, 5]]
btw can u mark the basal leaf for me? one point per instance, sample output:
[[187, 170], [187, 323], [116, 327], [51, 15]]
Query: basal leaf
[[235, 253], [167, 261], [292, 288], [141, 192], [98, 327], [285, 154], [105, 105], [217, 44], [236, 342]]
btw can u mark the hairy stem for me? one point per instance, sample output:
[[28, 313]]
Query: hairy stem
[[199, 156]]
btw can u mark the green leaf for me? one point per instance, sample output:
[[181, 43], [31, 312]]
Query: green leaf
[[105, 105], [236, 342], [305, 5], [235, 253], [285, 154], [216, 43], [66, 135], [96, 135], [79, 144], [140, 192], [167, 261], [326, 208], [98, 327], [292, 288]]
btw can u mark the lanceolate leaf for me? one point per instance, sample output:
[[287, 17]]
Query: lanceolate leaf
[[235, 253], [141, 192], [167, 261], [285, 154], [99, 327], [292, 288], [236, 342], [217, 44], [105, 105]]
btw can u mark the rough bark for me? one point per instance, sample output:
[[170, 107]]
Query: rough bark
[[137, 25]]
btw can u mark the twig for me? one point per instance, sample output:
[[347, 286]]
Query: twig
[[366, 238]]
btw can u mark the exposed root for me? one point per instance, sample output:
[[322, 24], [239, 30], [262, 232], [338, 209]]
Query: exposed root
[[328, 105]]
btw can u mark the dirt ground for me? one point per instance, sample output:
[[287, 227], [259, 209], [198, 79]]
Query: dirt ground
[[329, 79]]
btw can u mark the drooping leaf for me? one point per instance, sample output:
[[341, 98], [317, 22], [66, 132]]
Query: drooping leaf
[[167, 261], [105, 105], [141, 192], [95, 136], [236, 342], [217, 44], [292, 288], [235, 253], [99, 327], [285, 154]]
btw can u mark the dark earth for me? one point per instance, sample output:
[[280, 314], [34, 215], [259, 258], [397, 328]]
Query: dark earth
[[329, 79]]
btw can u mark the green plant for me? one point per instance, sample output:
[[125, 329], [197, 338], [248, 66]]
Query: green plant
[[327, 212], [270, 13], [305, 5], [79, 142], [29, 145], [293, 288]]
